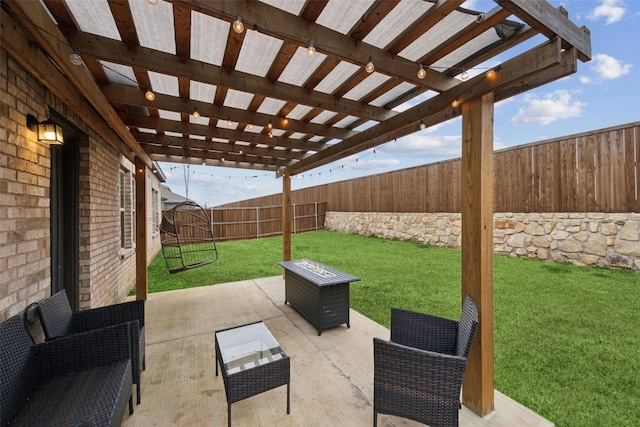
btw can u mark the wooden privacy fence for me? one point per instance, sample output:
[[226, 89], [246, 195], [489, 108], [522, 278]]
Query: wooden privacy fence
[[596, 171], [264, 221]]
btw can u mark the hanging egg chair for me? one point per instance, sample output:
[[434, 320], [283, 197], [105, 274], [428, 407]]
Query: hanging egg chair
[[186, 234]]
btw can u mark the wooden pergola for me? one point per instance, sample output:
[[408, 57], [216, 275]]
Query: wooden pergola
[[302, 84]]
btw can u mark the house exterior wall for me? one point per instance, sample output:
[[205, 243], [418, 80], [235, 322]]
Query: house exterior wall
[[106, 271]]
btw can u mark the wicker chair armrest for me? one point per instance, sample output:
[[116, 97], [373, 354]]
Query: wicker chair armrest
[[100, 317], [423, 331], [421, 371], [84, 350]]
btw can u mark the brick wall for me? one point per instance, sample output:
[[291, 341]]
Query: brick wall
[[24, 193], [106, 272]]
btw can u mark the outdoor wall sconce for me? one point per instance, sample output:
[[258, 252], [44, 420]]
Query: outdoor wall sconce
[[48, 132]]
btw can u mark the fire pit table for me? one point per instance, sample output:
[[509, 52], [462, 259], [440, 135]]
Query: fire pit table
[[318, 292]]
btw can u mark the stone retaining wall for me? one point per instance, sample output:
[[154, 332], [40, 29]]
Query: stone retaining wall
[[593, 239]]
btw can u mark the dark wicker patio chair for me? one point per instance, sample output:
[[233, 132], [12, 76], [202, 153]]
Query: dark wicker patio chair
[[418, 374], [80, 380], [58, 320]]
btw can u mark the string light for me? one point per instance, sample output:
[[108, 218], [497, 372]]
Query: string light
[[269, 125], [154, 2], [422, 126], [150, 95], [455, 103], [250, 125], [238, 26], [464, 76], [492, 73], [75, 58], [311, 50], [229, 122], [370, 67], [421, 72], [203, 163], [241, 152], [196, 115], [270, 134], [285, 121]]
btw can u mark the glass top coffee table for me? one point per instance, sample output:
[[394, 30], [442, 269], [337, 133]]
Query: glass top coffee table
[[251, 361]]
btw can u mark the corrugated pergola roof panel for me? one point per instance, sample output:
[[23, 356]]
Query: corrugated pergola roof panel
[[341, 15], [392, 25], [154, 25], [208, 49], [94, 17], [258, 53], [437, 35]]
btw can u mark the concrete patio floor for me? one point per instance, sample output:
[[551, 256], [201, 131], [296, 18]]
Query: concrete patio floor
[[331, 374]]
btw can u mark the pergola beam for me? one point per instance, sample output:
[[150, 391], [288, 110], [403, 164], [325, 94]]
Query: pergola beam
[[188, 160], [157, 142], [133, 96], [165, 125], [214, 158], [551, 22], [165, 63]]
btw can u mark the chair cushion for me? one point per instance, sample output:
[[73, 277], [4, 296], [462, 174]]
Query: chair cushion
[[89, 397], [56, 315]]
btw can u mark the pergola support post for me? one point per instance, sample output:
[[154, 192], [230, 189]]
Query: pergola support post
[[477, 247], [286, 217], [141, 230]]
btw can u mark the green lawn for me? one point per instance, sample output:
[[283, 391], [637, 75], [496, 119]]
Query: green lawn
[[566, 338]]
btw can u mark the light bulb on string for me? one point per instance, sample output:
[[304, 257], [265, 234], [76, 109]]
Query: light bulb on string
[[149, 95], [75, 58], [311, 50], [229, 122], [421, 72], [250, 125], [153, 2], [195, 114], [464, 75], [270, 134], [491, 73], [370, 67], [455, 103], [269, 125], [423, 126], [238, 26]]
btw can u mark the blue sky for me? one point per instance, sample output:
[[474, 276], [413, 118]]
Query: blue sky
[[603, 93]]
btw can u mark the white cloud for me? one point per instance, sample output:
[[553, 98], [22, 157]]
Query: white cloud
[[612, 10], [554, 106], [608, 67], [426, 146]]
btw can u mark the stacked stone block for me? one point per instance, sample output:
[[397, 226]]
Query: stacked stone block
[[610, 240]]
